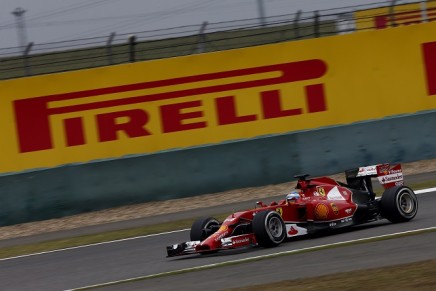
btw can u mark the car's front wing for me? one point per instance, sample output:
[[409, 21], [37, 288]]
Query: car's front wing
[[190, 247]]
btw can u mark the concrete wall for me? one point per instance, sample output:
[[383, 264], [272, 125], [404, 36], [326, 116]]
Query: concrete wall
[[73, 189]]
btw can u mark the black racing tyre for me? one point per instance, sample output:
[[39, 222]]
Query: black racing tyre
[[203, 228], [399, 204], [269, 228]]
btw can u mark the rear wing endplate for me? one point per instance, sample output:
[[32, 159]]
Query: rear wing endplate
[[388, 175]]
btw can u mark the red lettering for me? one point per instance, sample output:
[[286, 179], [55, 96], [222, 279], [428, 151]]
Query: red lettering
[[173, 118], [315, 98], [227, 113], [429, 53], [403, 18], [33, 127], [74, 132], [33, 114], [272, 107], [381, 21], [134, 127]]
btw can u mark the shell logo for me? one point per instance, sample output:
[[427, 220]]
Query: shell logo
[[321, 211], [223, 228]]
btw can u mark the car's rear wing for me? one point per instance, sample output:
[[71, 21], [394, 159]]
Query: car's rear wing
[[388, 176]]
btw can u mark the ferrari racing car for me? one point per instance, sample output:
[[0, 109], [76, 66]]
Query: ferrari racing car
[[318, 204]]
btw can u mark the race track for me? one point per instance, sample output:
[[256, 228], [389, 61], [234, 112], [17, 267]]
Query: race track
[[102, 263]]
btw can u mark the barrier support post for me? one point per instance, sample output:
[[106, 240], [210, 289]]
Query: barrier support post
[[109, 48], [201, 38], [26, 60], [297, 24], [132, 44], [316, 24]]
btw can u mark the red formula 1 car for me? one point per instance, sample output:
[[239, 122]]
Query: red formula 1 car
[[318, 204]]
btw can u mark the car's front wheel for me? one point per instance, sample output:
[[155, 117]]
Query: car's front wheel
[[202, 228], [269, 228], [399, 204]]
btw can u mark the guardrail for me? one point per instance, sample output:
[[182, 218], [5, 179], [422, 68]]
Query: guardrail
[[35, 59]]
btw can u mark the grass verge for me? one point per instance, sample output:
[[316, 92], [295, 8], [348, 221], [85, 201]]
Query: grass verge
[[413, 276]]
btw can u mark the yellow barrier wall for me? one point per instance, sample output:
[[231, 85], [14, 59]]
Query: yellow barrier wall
[[406, 14], [197, 100]]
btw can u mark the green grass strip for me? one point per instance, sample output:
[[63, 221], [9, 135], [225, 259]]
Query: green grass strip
[[411, 276]]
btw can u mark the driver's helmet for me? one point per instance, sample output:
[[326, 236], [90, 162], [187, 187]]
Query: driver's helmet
[[293, 196]]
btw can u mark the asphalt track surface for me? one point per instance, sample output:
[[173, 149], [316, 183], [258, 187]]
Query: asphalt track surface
[[102, 263]]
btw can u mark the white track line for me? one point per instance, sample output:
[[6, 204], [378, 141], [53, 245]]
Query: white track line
[[143, 236], [95, 244], [425, 190], [250, 259]]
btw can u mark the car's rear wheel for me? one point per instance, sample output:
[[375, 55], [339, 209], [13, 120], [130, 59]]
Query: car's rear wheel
[[399, 204], [203, 227], [269, 228]]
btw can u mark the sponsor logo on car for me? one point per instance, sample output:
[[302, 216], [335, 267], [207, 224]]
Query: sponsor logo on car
[[292, 231], [365, 171], [320, 190], [241, 240], [321, 211], [391, 178], [347, 219], [223, 228], [384, 169], [222, 235], [334, 208]]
